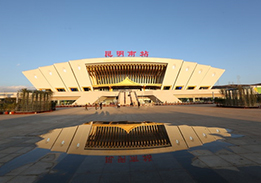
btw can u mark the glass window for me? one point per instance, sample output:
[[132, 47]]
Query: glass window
[[74, 89], [191, 87], [178, 88], [203, 87], [166, 87], [60, 89], [86, 89]]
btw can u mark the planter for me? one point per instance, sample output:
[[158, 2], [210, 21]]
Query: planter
[[6, 112]]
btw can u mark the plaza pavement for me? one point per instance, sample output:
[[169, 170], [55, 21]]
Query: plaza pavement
[[238, 161]]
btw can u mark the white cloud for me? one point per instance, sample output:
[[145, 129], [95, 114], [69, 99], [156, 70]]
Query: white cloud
[[14, 88]]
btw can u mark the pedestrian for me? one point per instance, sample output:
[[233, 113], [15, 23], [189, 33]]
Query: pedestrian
[[138, 104], [100, 106], [96, 106], [86, 107]]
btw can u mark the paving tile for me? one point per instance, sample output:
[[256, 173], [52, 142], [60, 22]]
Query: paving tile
[[254, 171], [214, 161], [115, 177], [116, 167], [201, 153], [92, 164], [253, 148], [216, 146], [4, 141], [255, 157], [236, 141], [22, 160], [90, 177], [250, 141], [30, 141], [38, 168], [239, 150], [145, 176], [175, 176], [50, 157], [237, 160], [198, 174], [198, 163], [19, 170], [233, 168], [25, 150], [142, 166], [3, 155], [9, 157], [23, 179], [10, 150], [5, 179], [162, 156], [166, 164], [224, 152], [64, 170], [237, 176]]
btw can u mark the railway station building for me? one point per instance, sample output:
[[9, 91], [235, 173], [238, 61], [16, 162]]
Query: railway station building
[[126, 80]]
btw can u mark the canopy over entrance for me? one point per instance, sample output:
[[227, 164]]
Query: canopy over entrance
[[127, 75]]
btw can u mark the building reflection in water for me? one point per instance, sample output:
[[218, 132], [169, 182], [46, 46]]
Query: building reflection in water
[[128, 138]]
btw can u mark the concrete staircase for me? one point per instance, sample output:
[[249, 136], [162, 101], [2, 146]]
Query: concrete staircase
[[121, 98], [127, 97]]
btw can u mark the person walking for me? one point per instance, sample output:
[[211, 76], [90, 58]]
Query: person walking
[[100, 106]]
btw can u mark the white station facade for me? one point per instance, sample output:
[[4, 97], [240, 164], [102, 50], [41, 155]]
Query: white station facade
[[126, 80]]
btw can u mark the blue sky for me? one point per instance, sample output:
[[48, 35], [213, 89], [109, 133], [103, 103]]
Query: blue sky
[[221, 33]]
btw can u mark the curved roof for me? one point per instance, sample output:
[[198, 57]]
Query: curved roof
[[74, 75]]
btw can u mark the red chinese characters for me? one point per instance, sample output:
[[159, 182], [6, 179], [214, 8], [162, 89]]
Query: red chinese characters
[[120, 53], [121, 159], [147, 158], [144, 54], [108, 54], [108, 159], [132, 159], [130, 53]]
